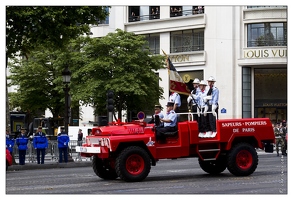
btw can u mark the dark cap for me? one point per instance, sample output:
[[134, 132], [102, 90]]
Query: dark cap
[[158, 106], [22, 128], [62, 128], [170, 104], [40, 127]]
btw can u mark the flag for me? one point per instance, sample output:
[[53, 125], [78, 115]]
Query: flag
[[176, 82]]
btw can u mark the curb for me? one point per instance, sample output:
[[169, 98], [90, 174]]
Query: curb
[[32, 166]]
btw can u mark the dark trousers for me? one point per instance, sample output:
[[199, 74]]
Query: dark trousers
[[22, 156], [64, 152], [212, 119], [161, 130], [194, 109], [39, 152], [202, 123]]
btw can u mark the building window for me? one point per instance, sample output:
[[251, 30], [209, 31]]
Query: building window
[[134, 14], [106, 21], [267, 34], [154, 12], [187, 40], [197, 10], [175, 11], [153, 42]]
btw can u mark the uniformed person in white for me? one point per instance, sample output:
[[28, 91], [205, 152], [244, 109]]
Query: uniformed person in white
[[212, 103], [192, 99], [202, 123], [175, 98]]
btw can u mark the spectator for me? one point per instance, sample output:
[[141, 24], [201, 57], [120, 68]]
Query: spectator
[[79, 142], [22, 142], [63, 140], [40, 143], [278, 136]]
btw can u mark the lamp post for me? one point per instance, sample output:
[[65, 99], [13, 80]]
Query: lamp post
[[66, 74]]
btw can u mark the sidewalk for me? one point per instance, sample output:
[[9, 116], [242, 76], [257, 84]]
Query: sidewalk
[[49, 164]]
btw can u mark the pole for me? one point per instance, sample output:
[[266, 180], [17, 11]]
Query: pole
[[66, 89]]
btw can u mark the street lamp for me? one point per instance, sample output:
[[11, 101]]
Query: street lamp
[[66, 74]]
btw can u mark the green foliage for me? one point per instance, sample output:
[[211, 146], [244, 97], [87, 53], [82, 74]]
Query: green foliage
[[51, 26], [119, 62], [116, 61]]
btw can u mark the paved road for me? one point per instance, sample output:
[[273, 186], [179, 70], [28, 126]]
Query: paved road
[[181, 176]]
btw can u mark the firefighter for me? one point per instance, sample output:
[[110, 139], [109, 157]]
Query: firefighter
[[202, 104], [158, 111], [212, 103], [191, 100], [176, 99]]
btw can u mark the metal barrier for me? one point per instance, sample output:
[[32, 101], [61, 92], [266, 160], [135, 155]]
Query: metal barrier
[[51, 153]]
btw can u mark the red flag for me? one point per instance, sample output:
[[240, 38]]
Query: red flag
[[176, 82]]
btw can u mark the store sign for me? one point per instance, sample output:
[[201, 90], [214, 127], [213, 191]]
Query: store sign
[[265, 53], [179, 58]]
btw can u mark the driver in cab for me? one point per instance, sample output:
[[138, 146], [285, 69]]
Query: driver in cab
[[169, 120]]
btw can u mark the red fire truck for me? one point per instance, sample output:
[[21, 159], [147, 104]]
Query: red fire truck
[[128, 150]]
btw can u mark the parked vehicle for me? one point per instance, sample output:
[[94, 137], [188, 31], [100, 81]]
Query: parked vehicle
[[128, 150]]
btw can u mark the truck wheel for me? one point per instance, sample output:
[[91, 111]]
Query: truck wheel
[[242, 159], [133, 164], [213, 167], [103, 169]]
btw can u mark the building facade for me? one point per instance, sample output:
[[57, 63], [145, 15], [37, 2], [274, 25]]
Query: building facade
[[243, 47]]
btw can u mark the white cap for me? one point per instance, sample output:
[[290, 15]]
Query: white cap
[[196, 80], [203, 82], [211, 78]]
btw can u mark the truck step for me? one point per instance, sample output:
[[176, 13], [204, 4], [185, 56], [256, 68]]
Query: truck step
[[208, 150], [209, 159]]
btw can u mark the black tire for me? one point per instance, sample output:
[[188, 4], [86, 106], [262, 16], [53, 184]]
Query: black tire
[[103, 169], [242, 159], [133, 164], [214, 166]]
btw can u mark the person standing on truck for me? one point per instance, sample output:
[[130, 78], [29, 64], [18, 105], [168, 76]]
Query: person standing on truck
[[40, 143], [212, 99], [63, 141], [278, 136], [170, 122], [175, 98], [202, 118], [192, 99], [22, 142]]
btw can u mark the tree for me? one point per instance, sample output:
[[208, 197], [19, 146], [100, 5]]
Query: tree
[[28, 27], [120, 62], [51, 26]]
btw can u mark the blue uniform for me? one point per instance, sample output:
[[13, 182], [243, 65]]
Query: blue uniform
[[212, 107], [9, 143], [168, 126], [40, 143], [22, 142], [63, 140]]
